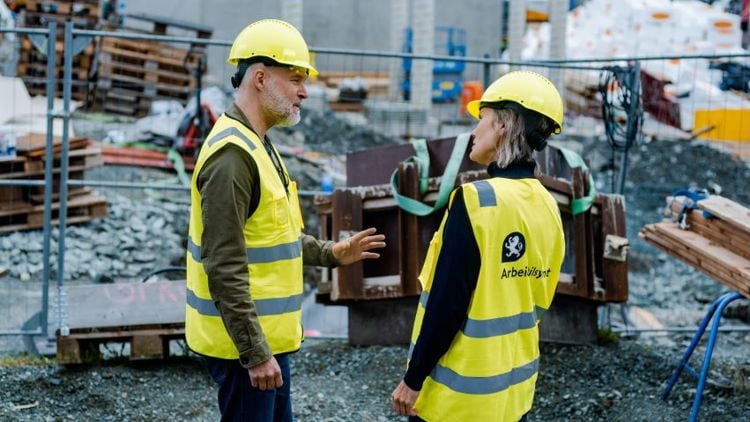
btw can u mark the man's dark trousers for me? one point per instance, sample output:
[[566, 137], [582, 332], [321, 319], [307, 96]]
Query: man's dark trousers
[[240, 401]]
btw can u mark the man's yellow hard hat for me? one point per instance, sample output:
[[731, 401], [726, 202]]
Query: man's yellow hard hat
[[275, 39]]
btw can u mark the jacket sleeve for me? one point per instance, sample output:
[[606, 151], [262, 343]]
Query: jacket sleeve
[[228, 184], [318, 252], [453, 285]]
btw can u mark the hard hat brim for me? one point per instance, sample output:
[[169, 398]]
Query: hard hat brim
[[472, 107]]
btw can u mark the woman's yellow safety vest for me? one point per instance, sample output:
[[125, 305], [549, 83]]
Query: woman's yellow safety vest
[[274, 255], [490, 369]]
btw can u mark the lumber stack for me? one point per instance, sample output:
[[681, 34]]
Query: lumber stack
[[32, 63], [22, 207], [714, 238], [131, 74]]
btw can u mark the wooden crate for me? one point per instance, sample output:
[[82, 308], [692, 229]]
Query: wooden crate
[[144, 315]]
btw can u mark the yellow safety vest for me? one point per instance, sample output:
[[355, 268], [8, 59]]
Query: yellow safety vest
[[490, 369], [274, 255]]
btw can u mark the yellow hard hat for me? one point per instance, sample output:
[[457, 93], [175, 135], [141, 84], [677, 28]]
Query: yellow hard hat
[[530, 90], [275, 39]]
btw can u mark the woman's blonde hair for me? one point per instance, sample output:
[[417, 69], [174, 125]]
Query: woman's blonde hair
[[513, 146]]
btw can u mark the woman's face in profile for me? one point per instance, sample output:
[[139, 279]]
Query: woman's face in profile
[[486, 137]]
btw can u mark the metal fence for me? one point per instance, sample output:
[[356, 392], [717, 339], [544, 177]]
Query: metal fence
[[679, 92]]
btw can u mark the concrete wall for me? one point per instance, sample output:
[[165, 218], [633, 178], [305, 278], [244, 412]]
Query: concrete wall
[[356, 24]]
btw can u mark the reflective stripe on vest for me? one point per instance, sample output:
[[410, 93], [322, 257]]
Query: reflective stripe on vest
[[230, 131], [484, 385], [263, 307], [261, 255]]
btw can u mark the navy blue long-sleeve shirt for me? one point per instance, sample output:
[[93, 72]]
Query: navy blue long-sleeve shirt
[[455, 280]]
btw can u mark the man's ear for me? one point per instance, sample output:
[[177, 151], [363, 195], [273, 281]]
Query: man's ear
[[258, 78]]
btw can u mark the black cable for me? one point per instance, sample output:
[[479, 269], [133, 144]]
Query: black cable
[[163, 270], [622, 112], [621, 106]]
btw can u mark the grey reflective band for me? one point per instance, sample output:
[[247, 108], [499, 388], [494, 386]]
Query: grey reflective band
[[281, 305], [486, 194], [484, 385], [499, 326], [423, 298], [258, 255], [274, 253], [230, 131], [263, 307], [194, 249], [481, 328], [203, 306], [539, 312]]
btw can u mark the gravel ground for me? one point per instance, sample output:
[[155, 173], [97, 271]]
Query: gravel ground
[[619, 380], [332, 381]]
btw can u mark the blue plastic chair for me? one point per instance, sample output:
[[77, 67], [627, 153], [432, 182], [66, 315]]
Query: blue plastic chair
[[719, 305]]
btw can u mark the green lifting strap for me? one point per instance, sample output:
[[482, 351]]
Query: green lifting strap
[[447, 180], [582, 204]]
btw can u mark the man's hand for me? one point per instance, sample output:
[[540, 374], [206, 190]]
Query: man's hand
[[402, 400], [266, 376], [356, 247]]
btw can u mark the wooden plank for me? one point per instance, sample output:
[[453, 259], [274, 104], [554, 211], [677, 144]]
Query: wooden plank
[[614, 272], [148, 347], [728, 210], [584, 270], [714, 229], [409, 228], [35, 144], [703, 254], [346, 221], [126, 304]]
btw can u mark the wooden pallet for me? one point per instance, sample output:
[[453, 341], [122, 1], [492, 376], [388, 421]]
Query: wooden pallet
[[82, 346], [63, 7], [78, 160], [80, 210], [144, 315]]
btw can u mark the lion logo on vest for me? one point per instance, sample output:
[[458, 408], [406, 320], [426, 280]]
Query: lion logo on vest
[[514, 247]]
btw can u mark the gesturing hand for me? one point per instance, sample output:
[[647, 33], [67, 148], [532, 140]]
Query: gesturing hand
[[266, 376], [403, 399], [356, 247]]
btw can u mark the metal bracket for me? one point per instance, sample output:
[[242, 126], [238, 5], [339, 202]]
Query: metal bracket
[[39, 41], [616, 248], [80, 42]]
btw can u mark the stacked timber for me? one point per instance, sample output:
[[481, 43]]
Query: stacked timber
[[133, 73], [32, 63], [711, 235], [22, 207]]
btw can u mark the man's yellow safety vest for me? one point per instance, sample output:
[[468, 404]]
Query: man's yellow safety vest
[[490, 369], [274, 255]]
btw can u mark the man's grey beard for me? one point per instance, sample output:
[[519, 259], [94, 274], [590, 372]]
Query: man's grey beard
[[282, 109]]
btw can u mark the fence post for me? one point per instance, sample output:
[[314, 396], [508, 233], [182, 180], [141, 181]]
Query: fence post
[[486, 71], [63, 211], [49, 158]]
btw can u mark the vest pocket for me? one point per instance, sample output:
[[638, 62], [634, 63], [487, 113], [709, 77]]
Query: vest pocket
[[281, 211]]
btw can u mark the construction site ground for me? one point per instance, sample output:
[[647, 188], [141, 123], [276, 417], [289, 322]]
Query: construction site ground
[[617, 380]]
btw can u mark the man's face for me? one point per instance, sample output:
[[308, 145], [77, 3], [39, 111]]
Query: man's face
[[283, 98]]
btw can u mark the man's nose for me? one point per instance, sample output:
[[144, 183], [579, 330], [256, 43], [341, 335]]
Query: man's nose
[[302, 92]]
